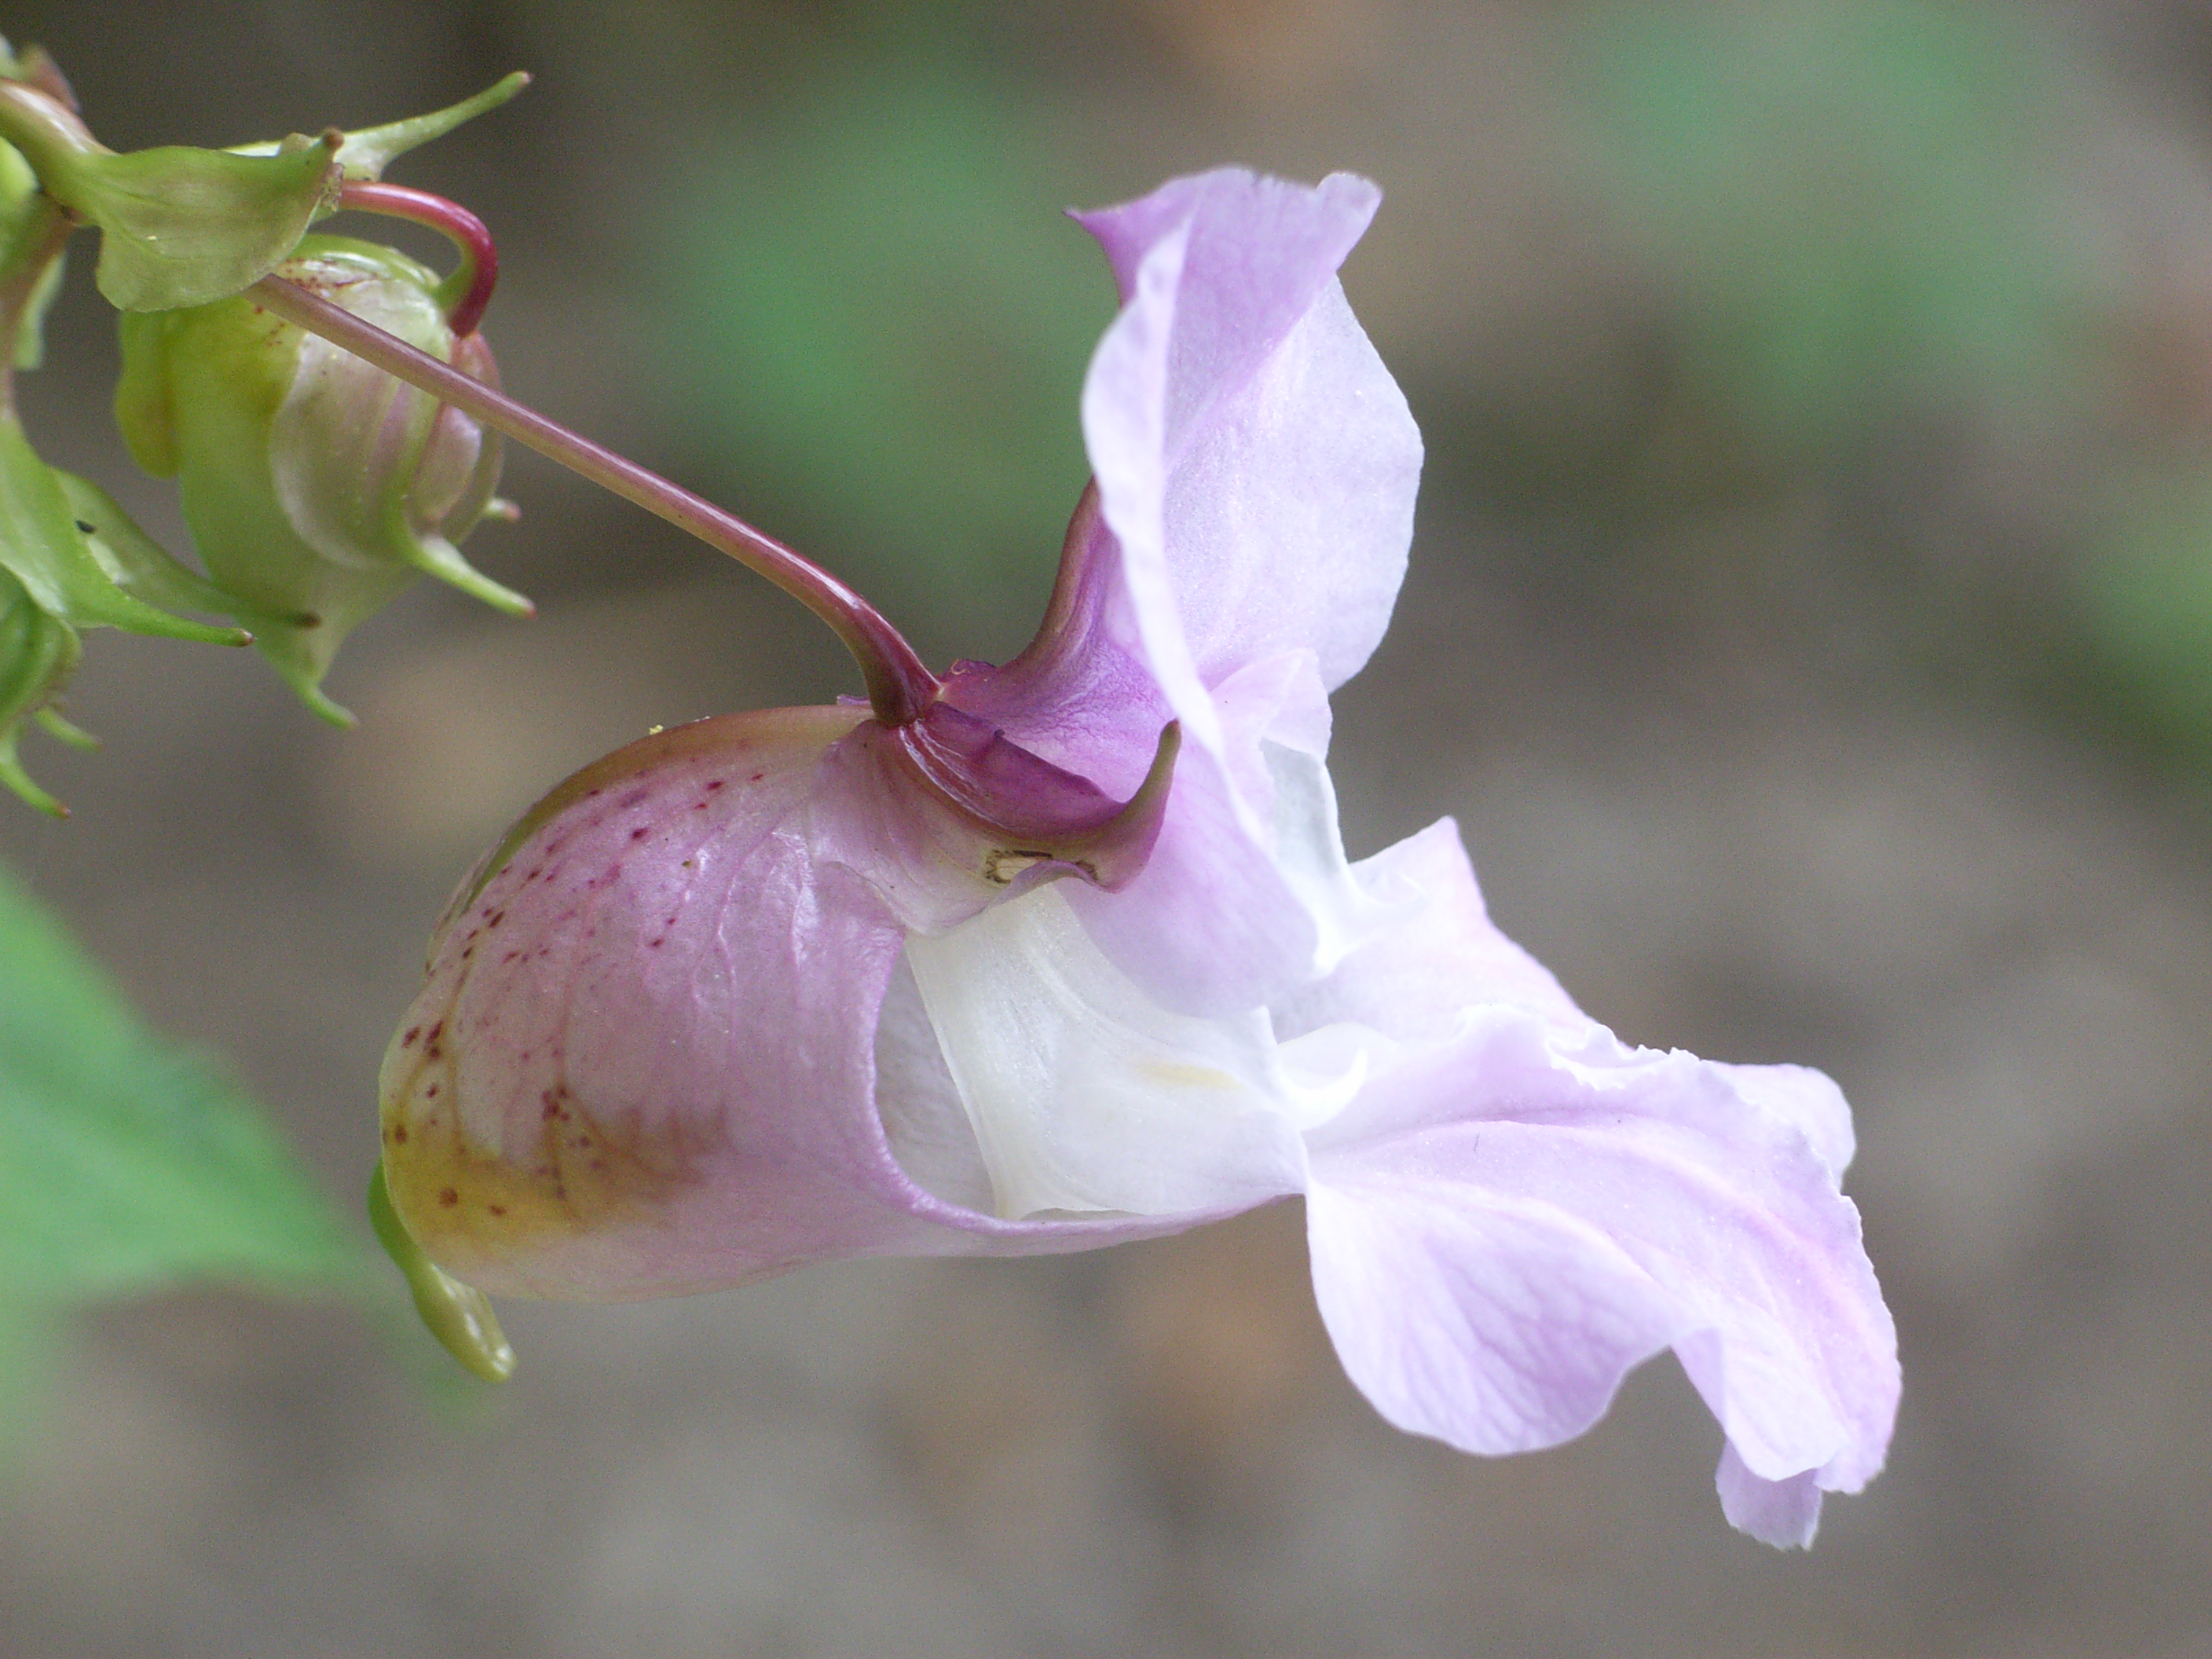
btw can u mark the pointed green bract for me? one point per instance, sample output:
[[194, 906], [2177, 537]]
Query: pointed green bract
[[183, 227], [70, 559], [124, 1166], [365, 154], [55, 726]]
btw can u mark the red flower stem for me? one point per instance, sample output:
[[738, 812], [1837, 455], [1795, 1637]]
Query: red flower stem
[[899, 687], [472, 282]]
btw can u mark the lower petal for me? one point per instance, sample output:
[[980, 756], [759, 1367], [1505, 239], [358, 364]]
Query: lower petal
[[1782, 1513], [1494, 1324], [1525, 1213]]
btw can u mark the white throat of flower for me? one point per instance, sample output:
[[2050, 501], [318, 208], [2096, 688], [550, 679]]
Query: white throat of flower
[[1086, 1096]]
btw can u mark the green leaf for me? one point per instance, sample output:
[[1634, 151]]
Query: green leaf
[[125, 1167], [876, 333]]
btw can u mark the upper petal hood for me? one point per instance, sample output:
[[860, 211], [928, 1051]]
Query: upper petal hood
[[1255, 468]]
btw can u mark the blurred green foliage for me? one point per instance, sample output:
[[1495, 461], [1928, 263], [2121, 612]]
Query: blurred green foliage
[[883, 320], [2146, 603], [1858, 206], [1871, 221], [125, 1167]]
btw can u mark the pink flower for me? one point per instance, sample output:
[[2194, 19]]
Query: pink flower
[[1071, 954]]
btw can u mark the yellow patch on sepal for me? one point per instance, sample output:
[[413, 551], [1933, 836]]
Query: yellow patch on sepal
[[476, 1206]]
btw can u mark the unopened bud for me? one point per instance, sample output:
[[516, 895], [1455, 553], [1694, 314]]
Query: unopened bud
[[316, 486]]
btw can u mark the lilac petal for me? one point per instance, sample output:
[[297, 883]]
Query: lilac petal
[[1575, 1204], [1255, 462], [1416, 981], [1210, 926], [644, 1058], [1806, 1100], [1256, 471], [1494, 1323], [1213, 925], [1783, 1513]]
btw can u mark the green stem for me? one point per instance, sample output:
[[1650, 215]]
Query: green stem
[[899, 686], [47, 130]]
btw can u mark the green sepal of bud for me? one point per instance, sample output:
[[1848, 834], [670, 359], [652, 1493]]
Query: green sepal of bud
[[459, 1315], [135, 563], [48, 549], [365, 154], [38, 653], [57, 726], [316, 486], [179, 226]]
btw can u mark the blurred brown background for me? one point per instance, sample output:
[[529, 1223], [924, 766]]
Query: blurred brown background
[[1810, 625]]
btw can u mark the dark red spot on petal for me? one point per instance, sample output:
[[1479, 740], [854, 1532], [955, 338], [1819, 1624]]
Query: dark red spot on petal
[[449, 1198]]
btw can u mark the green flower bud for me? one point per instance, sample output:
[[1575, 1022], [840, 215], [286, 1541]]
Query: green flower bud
[[316, 485]]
